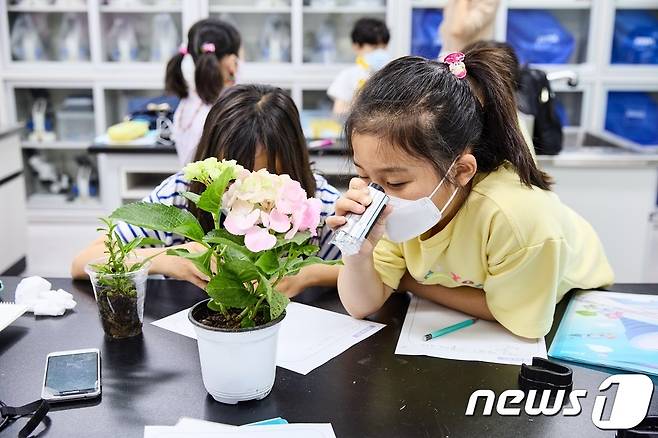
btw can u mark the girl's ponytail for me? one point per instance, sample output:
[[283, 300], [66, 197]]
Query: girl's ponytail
[[207, 77], [490, 73], [174, 81]]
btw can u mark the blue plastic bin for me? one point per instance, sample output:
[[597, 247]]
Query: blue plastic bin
[[425, 37], [633, 115], [635, 40], [538, 37]]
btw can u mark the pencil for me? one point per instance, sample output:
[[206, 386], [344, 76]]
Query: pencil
[[450, 329]]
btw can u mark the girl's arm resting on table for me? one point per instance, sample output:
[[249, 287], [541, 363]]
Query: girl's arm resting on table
[[465, 299], [171, 266], [360, 288], [309, 276]]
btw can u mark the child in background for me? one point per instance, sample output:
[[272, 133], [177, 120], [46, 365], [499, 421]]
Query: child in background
[[443, 141], [259, 127], [369, 41], [196, 75]]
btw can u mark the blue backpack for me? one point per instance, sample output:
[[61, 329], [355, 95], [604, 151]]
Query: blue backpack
[[633, 115], [425, 37], [538, 37], [636, 38]]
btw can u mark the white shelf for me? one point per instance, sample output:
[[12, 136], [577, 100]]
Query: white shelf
[[47, 201], [240, 9], [549, 4], [136, 192], [44, 8], [61, 145], [636, 4], [139, 9], [429, 4], [345, 10]]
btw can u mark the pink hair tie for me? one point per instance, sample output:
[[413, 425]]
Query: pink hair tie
[[208, 48], [182, 49], [455, 61]]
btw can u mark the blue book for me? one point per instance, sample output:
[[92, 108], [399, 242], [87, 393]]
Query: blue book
[[271, 421], [610, 329]]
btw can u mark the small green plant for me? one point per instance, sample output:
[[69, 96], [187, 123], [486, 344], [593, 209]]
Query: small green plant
[[113, 273], [115, 283]]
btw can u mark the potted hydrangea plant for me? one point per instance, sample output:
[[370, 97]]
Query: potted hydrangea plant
[[264, 237]]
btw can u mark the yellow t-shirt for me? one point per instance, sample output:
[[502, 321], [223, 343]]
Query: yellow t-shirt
[[522, 246]]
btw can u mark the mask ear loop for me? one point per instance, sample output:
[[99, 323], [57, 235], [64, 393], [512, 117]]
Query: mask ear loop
[[443, 179], [449, 200]]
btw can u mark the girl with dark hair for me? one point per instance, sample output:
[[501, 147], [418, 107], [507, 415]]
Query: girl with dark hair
[[259, 127], [197, 74], [472, 223]]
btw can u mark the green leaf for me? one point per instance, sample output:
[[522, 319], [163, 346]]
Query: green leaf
[[215, 307], [242, 270], [200, 259], [160, 217], [211, 198], [297, 239], [191, 196], [142, 241], [278, 303], [221, 233], [247, 322], [296, 265], [228, 290], [308, 250], [268, 262], [234, 250]]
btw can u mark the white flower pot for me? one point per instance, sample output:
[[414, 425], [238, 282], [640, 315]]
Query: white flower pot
[[237, 364]]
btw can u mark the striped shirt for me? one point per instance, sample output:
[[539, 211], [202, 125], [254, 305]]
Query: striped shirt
[[169, 193]]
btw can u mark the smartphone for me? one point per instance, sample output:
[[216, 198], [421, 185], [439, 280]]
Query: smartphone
[[72, 375]]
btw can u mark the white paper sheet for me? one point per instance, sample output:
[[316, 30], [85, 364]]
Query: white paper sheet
[[484, 341], [218, 430], [9, 312], [309, 336]]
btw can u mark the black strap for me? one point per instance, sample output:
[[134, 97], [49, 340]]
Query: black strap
[[37, 409]]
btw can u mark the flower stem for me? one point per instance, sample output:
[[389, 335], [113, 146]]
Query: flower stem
[[258, 303]]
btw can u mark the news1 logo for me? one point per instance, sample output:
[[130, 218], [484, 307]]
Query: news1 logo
[[630, 405]]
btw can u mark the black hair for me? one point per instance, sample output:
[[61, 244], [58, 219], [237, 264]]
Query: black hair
[[515, 65], [207, 75], [246, 118], [370, 31], [418, 105]]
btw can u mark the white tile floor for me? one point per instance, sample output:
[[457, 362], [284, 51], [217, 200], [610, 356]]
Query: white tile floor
[[52, 247]]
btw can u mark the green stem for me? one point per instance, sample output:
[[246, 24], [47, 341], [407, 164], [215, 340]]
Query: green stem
[[243, 313], [258, 303]]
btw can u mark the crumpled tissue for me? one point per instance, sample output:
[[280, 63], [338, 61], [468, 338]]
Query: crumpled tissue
[[35, 293]]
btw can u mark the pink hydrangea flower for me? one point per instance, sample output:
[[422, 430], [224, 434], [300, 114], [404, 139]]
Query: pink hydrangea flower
[[260, 204], [239, 222], [279, 222], [259, 239], [291, 197]]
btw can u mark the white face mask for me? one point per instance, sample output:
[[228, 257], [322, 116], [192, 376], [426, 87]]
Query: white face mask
[[410, 219]]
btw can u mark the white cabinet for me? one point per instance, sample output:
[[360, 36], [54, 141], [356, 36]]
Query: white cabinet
[[12, 192]]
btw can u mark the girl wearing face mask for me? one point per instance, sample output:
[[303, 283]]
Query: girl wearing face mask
[[472, 223], [196, 75]]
